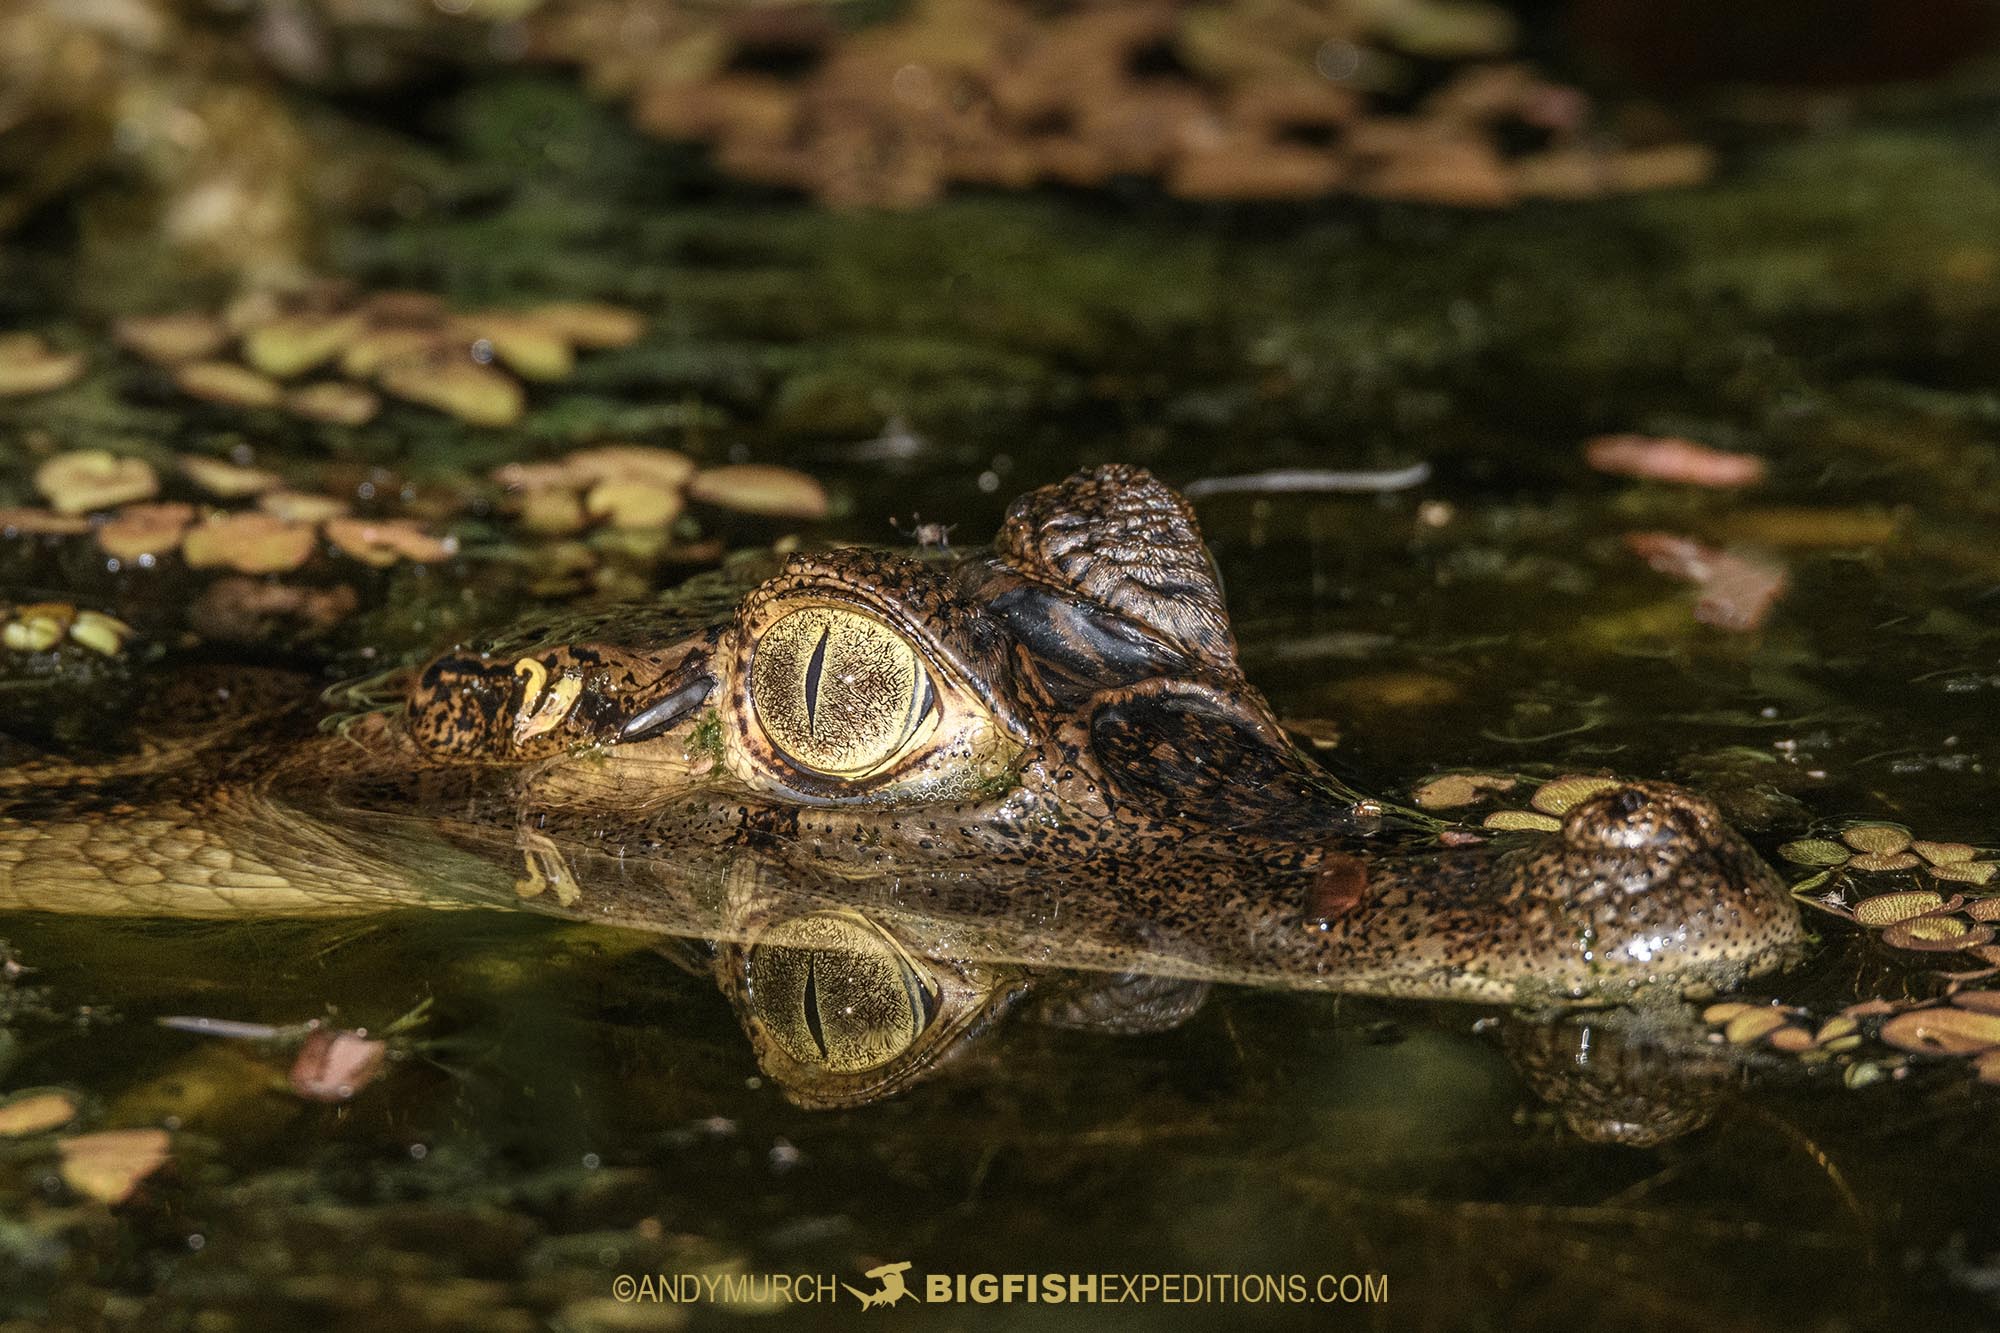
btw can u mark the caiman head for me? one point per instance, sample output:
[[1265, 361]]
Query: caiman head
[[911, 783]]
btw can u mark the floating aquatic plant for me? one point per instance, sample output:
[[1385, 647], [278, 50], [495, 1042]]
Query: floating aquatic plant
[[1964, 1024], [602, 519], [41, 627], [636, 488], [86, 479], [1873, 847], [28, 365], [409, 345]]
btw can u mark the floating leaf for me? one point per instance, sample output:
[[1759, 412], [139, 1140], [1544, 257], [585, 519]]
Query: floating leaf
[[293, 344], [1987, 1067], [1754, 1025], [1837, 1028], [1936, 934], [1874, 862], [1943, 1031], [475, 394], [1983, 909], [35, 1112], [534, 478], [1944, 853], [1864, 1072], [553, 513], [1560, 796], [301, 507], [1888, 908], [230, 481], [1966, 872], [28, 365], [1718, 1014], [590, 324], [145, 529], [334, 402], [1790, 1039], [383, 542], [168, 340], [228, 384], [379, 349], [626, 462], [108, 1166], [38, 627], [1455, 789], [1983, 1001], [19, 522], [1877, 839], [633, 504], [87, 479], [248, 543], [100, 633], [754, 488], [529, 349], [1815, 852], [1521, 821]]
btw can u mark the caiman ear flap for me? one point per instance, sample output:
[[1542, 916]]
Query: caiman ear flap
[[1123, 539]]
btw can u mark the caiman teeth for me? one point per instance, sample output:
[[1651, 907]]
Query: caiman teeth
[[658, 717]]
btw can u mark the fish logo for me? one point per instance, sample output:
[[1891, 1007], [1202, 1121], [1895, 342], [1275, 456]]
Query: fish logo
[[893, 1288]]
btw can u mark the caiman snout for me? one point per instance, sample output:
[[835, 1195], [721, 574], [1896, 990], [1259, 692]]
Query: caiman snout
[[1657, 884], [1644, 885]]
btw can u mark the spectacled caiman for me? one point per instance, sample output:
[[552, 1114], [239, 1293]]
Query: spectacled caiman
[[886, 795]]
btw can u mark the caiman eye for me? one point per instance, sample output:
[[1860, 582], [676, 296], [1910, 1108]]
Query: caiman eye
[[838, 692], [837, 994]]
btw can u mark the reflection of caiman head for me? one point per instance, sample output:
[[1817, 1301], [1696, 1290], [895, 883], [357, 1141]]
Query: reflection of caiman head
[[907, 785]]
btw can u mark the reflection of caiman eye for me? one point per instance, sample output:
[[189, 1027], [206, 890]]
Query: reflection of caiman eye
[[837, 994], [839, 692]]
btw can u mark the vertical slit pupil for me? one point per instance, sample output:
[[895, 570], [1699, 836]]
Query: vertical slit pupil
[[814, 1027], [814, 668]]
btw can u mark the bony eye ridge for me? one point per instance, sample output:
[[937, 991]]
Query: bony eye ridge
[[838, 692]]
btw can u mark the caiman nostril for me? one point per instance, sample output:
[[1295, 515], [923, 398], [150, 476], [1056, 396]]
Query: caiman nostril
[[1627, 802]]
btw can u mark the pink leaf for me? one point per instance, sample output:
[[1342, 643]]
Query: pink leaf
[[1665, 458], [1738, 591], [333, 1066]]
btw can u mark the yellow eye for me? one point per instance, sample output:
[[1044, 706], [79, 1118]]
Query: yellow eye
[[839, 692], [837, 994]]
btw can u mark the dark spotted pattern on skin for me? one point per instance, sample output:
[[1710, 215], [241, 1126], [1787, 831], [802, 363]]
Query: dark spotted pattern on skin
[[470, 708], [1153, 819]]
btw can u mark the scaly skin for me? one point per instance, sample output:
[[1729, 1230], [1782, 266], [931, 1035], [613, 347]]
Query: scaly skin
[[1105, 792]]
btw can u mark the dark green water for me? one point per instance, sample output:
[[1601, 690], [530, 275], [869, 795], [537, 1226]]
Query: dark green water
[[581, 1109]]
